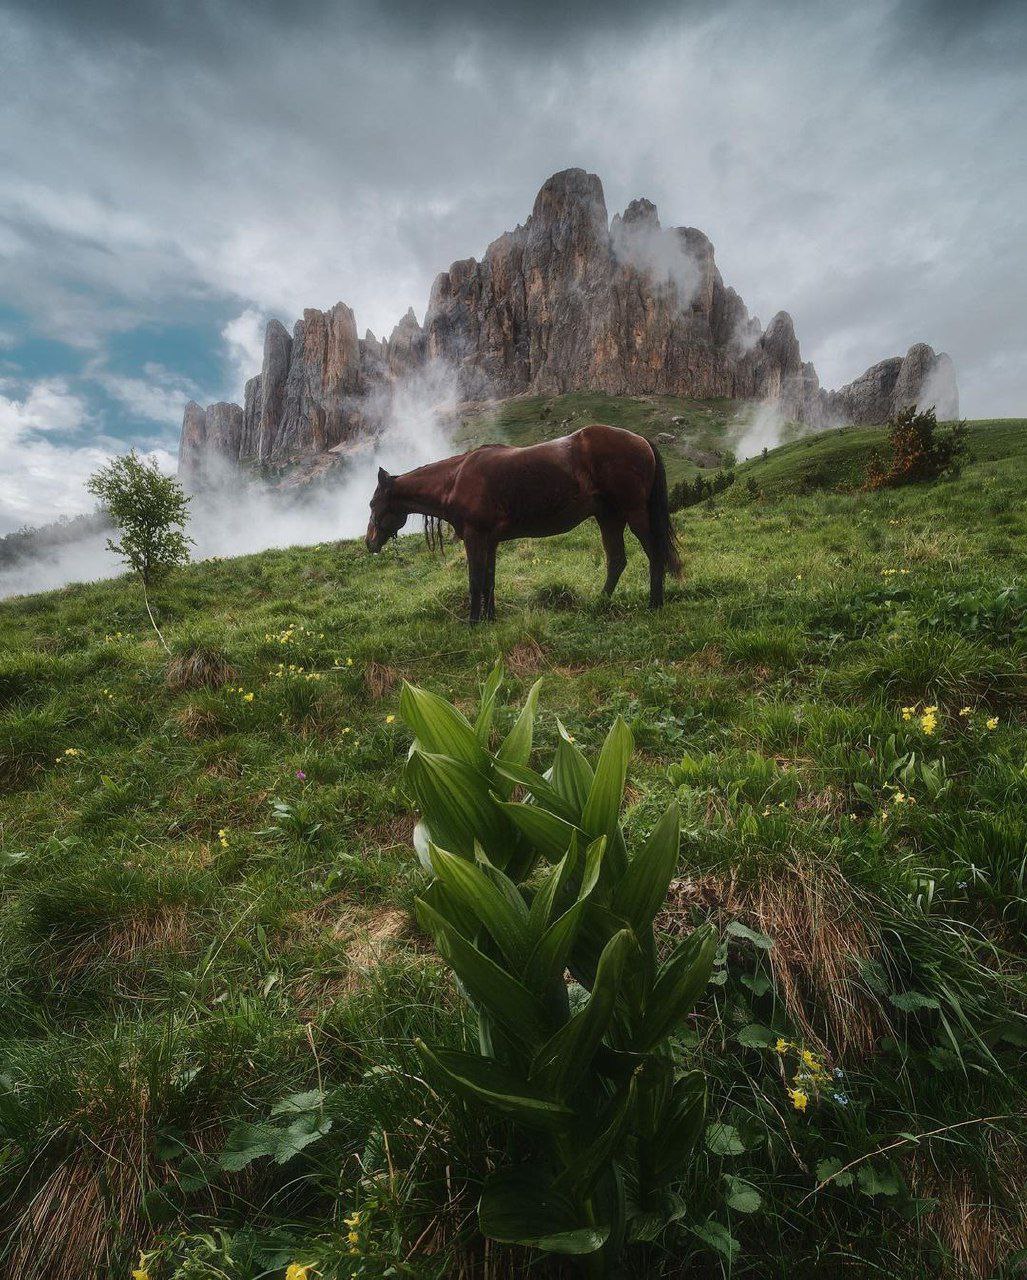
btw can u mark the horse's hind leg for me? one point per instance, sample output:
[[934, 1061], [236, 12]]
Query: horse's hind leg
[[612, 529], [657, 568]]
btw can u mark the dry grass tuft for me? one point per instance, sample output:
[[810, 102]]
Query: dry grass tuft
[[373, 937], [200, 668], [526, 658], [198, 722], [979, 1234], [77, 1219], [380, 680], [823, 934]]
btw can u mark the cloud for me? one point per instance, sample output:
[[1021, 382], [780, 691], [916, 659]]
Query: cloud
[[244, 342], [156, 398], [41, 478]]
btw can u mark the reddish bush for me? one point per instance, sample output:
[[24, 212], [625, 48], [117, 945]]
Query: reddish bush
[[920, 451]]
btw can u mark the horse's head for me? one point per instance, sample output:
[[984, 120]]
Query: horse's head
[[386, 517]]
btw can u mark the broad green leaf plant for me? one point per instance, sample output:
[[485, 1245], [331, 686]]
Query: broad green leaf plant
[[524, 891]]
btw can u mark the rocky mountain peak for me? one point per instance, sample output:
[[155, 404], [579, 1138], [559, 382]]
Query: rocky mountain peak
[[566, 301]]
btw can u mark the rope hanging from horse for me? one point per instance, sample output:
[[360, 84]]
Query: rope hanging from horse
[[435, 535]]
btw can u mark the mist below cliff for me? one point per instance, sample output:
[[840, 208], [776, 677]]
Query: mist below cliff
[[237, 518]]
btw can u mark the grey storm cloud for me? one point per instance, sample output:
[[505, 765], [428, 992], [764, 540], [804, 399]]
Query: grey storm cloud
[[862, 166]]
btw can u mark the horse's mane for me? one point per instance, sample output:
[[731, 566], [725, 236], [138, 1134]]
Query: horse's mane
[[435, 534]]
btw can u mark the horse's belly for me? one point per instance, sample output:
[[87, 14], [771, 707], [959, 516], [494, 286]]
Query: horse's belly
[[545, 523]]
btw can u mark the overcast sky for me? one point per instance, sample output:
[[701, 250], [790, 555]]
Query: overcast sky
[[171, 174]]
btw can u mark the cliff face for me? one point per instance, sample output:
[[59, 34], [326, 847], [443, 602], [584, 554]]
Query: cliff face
[[569, 300]]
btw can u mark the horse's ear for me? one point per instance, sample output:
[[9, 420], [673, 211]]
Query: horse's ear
[[384, 479]]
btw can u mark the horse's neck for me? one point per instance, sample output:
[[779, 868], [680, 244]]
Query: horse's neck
[[425, 491]]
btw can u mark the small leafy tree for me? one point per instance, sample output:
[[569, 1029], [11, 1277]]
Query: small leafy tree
[[920, 450], [587, 1072], [149, 510]]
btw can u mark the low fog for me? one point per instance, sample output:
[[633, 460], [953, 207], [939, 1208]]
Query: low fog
[[235, 518]]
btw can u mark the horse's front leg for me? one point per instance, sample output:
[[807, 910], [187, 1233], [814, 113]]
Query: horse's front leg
[[490, 584], [477, 572]]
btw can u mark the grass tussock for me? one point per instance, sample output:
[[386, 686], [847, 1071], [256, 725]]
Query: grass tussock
[[200, 667]]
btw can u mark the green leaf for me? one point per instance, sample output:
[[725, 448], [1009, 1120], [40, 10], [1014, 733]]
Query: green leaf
[[724, 1140], [755, 1036], [516, 747], [679, 983], [550, 835], [487, 706], [673, 1128], [495, 1086], [478, 894], [717, 1236], [550, 891], [880, 1181], [601, 814], [549, 958], [507, 1000], [738, 930], [297, 1103], [571, 773], [741, 1196], [306, 1129], [566, 1055], [642, 889], [541, 791], [248, 1142], [913, 1002], [589, 1162], [521, 1206], [439, 727], [830, 1169], [456, 806]]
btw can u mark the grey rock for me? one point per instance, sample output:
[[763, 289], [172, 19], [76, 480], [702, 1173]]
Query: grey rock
[[273, 377], [322, 384], [192, 446]]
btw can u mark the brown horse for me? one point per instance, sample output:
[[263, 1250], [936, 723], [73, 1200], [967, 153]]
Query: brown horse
[[498, 492]]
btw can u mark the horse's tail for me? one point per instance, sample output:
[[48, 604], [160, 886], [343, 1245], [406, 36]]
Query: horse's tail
[[661, 531]]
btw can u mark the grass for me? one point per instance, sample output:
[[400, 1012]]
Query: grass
[[208, 975]]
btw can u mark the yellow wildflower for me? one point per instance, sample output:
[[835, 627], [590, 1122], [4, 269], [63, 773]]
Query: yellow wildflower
[[908, 713], [353, 1220], [390, 719], [929, 720], [992, 722], [247, 697], [799, 1099], [966, 711], [72, 751], [141, 1273], [782, 1045], [297, 1271], [223, 838]]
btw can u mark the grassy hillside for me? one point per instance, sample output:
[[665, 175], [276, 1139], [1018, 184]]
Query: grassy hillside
[[693, 435], [210, 979]]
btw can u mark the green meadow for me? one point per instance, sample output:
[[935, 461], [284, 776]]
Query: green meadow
[[211, 977]]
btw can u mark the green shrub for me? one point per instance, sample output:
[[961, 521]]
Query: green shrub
[[586, 1070]]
